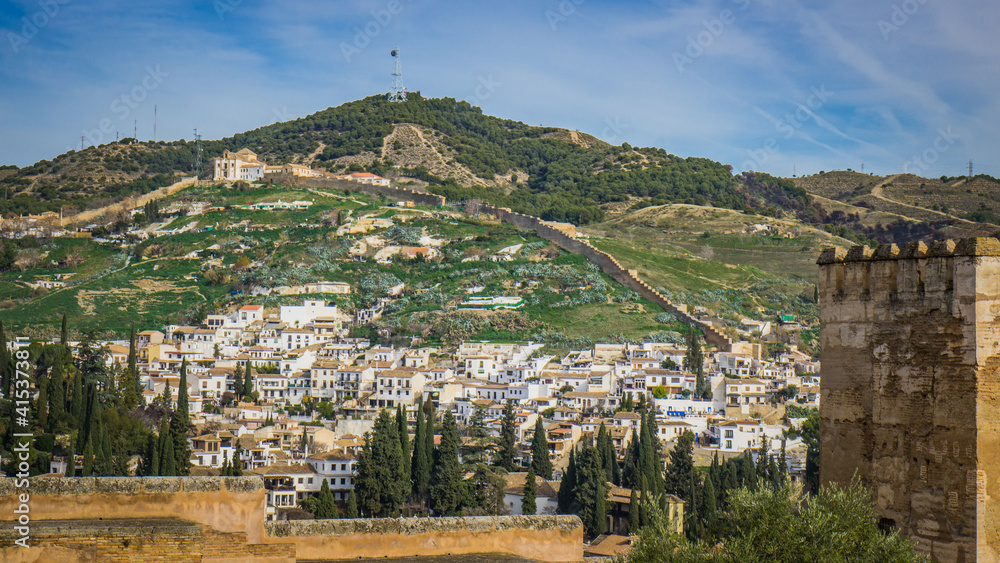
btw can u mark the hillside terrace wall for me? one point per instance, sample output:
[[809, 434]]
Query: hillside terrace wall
[[609, 266], [910, 394], [391, 192], [222, 520], [128, 204]]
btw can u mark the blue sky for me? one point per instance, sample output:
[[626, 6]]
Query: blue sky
[[771, 85]]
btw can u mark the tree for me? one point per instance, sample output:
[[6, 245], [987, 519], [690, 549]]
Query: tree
[[404, 448], [380, 484], [540, 452], [325, 505], [6, 374], [633, 513], [590, 492], [681, 469], [181, 412], [508, 438], [168, 465], [70, 460], [236, 466], [421, 462], [63, 333], [88, 458], [528, 500], [181, 448], [238, 382], [565, 497], [131, 386], [352, 506], [810, 435], [248, 381], [446, 483]]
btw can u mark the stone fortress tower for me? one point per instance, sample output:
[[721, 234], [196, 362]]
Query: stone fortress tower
[[910, 392]]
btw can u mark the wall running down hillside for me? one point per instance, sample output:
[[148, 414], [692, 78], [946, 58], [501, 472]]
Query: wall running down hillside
[[609, 266]]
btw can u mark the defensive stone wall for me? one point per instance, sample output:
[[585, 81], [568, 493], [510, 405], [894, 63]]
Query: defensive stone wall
[[222, 520], [910, 393], [609, 266], [391, 192], [540, 538]]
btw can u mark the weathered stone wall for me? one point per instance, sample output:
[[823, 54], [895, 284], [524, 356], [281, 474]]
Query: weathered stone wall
[[540, 538], [221, 520], [910, 399], [391, 192], [609, 266]]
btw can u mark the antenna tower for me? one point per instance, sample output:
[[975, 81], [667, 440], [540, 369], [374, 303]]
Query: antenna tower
[[154, 122], [135, 131], [970, 169], [197, 153], [398, 93]]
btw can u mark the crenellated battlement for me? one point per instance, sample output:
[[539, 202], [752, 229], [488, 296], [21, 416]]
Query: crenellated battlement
[[976, 246]]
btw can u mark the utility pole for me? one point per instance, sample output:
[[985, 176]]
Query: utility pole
[[862, 167], [81, 142], [970, 169]]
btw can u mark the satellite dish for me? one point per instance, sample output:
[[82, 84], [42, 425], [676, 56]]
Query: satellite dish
[[393, 52]]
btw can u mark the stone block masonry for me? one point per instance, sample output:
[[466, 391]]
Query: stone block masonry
[[222, 520], [910, 393]]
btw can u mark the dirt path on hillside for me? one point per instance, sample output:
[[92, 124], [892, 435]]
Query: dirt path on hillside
[[877, 193]]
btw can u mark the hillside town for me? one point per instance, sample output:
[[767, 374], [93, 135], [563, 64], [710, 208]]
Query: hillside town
[[310, 394]]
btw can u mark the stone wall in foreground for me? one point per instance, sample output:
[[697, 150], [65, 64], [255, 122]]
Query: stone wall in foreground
[[222, 520]]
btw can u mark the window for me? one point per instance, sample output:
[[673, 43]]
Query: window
[[343, 481], [729, 433], [729, 444]]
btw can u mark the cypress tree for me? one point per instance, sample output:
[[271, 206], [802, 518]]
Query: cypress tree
[[352, 506], [226, 470], [631, 474], [404, 448], [182, 451], [304, 440], [681, 469], [528, 507], [379, 482], [238, 383], [644, 518], [590, 491], [325, 507], [70, 460], [749, 472], [447, 487], [88, 458], [540, 452], [78, 403], [708, 505], [783, 464], [600, 524], [633, 513], [693, 517], [429, 452], [730, 480], [236, 467], [565, 498], [154, 457], [57, 392], [421, 467], [42, 404], [606, 449], [131, 387], [508, 438], [106, 459], [63, 333], [248, 380], [168, 461], [182, 396]]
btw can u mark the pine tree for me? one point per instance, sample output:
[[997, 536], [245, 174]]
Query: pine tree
[[404, 448], [88, 459], [528, 507], [565, 498], [352, 506], [181, 412], [507, 448], [421, 468], [540, 452], [447, 487], [633, 513]]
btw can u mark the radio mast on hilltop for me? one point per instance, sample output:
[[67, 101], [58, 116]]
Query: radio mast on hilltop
[[398, 93], [197, 153]]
